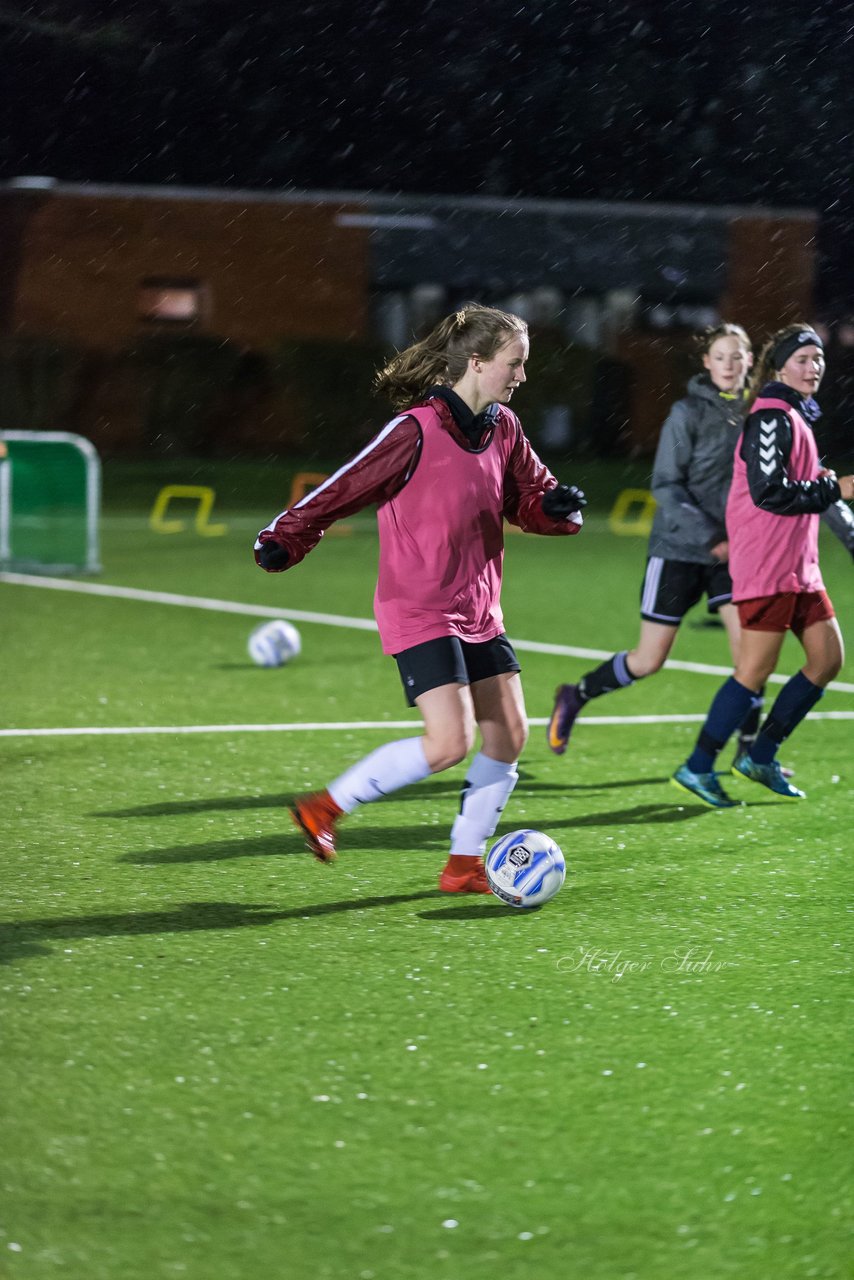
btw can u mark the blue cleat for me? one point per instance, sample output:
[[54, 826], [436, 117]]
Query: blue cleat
[[767, 775], [743, 749], [568, 703], [704, 786]]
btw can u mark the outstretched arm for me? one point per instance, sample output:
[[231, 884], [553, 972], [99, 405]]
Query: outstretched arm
[[533, 499], [376, 473]]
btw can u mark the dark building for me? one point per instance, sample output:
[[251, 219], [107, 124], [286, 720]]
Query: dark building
[[100, 268]]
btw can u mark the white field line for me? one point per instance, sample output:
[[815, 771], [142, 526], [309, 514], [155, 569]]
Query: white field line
[[339, 620], [342, 726], [190, 602]]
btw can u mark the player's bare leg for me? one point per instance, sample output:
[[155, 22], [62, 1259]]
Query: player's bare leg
[[648, 656]]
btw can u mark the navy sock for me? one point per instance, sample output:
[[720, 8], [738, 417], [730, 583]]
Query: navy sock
[[729, 706], [611, 675], [797, 697], [749, 726]]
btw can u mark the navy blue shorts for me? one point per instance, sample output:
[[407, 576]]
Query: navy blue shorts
[[449, 660], [672, 587]]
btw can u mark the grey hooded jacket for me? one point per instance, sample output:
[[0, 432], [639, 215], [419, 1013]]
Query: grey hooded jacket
[[692, 473]]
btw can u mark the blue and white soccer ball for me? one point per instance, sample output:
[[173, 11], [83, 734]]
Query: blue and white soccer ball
[[274, 643], [525, 868]]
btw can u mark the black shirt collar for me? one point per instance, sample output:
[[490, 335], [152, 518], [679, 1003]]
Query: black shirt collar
[[474, 426], [805, 405]]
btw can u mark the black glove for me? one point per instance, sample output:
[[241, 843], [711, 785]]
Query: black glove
[[560, 502], [273, 557]]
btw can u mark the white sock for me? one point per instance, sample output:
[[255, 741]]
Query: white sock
[[485, 792], [394, 765]]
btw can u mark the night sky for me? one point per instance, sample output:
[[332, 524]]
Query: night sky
[[716, 103]]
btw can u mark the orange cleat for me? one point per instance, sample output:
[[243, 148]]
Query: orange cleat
[[316, 816], [464, 875]]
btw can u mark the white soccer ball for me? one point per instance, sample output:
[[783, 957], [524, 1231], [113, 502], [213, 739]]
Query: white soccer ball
[[274, 643], [525, 868]]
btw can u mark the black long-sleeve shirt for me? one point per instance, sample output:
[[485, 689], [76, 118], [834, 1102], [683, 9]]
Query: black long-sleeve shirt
[[766, 446]]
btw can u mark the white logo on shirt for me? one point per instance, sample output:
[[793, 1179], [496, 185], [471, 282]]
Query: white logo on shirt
[[767, 446]]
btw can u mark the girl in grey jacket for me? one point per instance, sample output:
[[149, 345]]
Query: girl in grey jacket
[[687, 555]]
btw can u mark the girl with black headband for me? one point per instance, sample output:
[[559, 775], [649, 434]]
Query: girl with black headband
[[779, 490]]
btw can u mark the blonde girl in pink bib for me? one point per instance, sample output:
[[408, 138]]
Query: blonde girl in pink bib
[[445, 473]]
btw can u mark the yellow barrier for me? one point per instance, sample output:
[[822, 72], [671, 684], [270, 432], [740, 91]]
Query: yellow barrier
[[205, 498], [618, 522], [304, 482], [639, 525]]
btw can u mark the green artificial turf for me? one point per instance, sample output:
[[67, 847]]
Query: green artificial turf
[[222, 1061]]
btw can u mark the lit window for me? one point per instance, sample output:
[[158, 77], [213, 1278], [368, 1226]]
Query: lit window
[[171, 301]]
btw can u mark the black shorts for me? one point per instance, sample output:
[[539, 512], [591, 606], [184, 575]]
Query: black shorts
[[449, 660], [672, 587]]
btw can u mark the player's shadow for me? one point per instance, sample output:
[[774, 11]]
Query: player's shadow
[[31, 937], [485, 907], [289, 843], [279, 800], [528, 783], [392, 839], [278, 846], [640, 814], [200, 804], [246, 667], [238, 804], [616, 785]]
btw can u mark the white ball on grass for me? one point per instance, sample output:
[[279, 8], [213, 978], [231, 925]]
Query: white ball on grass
[[525, 868], [274, 643]]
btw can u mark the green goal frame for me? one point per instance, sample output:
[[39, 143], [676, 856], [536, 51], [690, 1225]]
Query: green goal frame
[[50, 503]]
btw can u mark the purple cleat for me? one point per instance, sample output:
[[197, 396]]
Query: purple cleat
[[568, 703]]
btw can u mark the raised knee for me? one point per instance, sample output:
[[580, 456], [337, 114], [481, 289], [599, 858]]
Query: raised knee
[[519, 738], [509, 743], [449, 759], [823, 675], [448, 752], [639, 667], [751, 678]]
